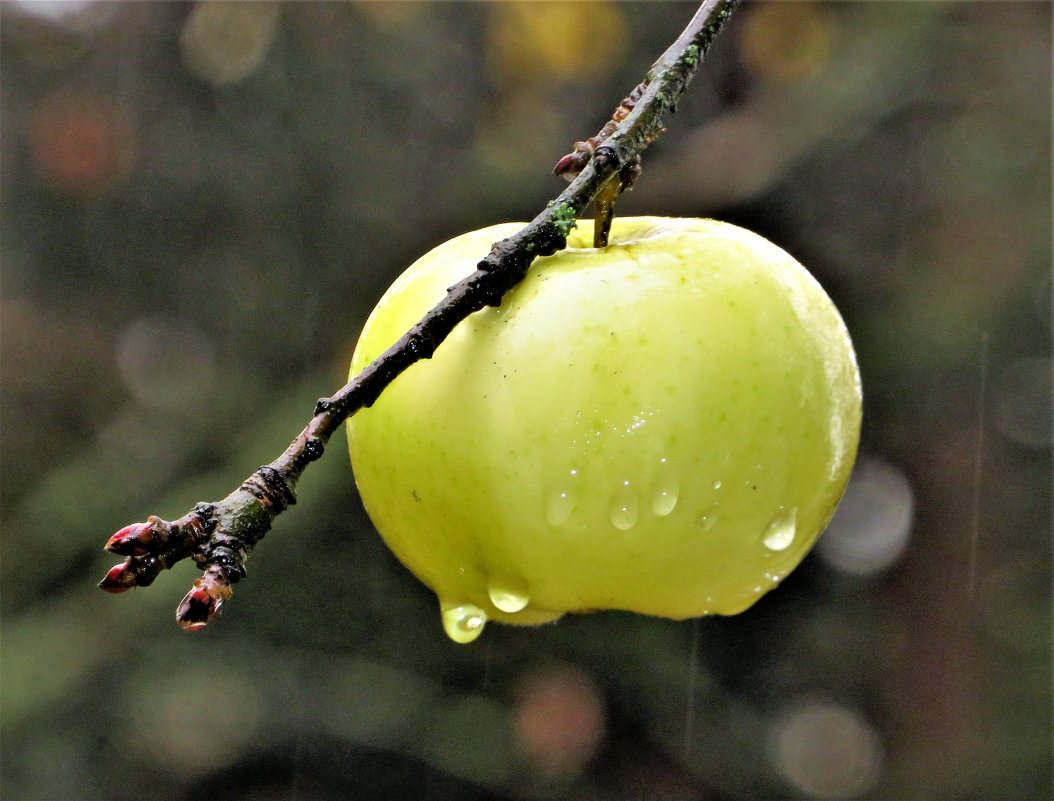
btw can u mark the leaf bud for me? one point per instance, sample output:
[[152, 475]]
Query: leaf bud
[[132, 540], [120, 578], [197, 608]]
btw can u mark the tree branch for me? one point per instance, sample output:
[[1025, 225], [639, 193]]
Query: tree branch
[[219, 536]]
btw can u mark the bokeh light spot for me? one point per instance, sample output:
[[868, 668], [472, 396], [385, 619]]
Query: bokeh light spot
[[1022, 401], [165, 364], [786, 41], [532, 43], [371, 702], [53, 10], [558, 721], [469, 738], [188, 737], [870, 529], [223, 43], [826, 751], [81, 145]]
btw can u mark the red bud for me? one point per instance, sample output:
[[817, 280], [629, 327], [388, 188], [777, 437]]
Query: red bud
[[121, 578], [196, 609], [568, 164], [133, 540]]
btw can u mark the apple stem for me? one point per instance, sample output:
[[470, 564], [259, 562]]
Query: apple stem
[[219, 536], [604, 211]]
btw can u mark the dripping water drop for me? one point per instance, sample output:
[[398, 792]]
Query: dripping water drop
[[780, 532], [463, 622], [509, 594]]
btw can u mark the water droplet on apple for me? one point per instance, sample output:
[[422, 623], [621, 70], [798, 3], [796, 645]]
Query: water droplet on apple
[[559, 508], [561, 502], [624, 507], [462, 622], [508, 593], [663, 502], [706, 520], [717, 483], [665, 490], [780, 532]]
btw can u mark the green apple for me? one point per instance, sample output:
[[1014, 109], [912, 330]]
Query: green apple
[[663, 425]]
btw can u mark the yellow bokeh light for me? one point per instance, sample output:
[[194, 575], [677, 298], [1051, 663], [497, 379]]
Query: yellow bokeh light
[[786, 41], [531, 43]]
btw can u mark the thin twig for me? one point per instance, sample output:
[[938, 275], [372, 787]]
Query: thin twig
[[219, 536]]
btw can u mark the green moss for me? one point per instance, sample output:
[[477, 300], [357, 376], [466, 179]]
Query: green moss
[[564, 218]]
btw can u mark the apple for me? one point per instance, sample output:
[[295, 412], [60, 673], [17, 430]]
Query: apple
[[663, 425]]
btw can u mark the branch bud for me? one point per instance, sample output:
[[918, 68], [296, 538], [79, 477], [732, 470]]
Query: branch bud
[[133, 540], [121, 578], [573, 163], [196, 609], [202, 603]]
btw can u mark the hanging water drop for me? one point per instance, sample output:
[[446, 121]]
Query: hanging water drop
[[624, 510], [463, 622], [780, 532], [665, 489], [509, 594]]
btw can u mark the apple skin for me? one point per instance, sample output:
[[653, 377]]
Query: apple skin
[[664, 425]]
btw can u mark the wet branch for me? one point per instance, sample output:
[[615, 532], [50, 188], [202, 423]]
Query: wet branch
[[219, 536]]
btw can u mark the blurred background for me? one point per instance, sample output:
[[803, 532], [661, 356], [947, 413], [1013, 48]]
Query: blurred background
[[202, 202]]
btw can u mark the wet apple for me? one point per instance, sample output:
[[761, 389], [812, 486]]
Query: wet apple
[[664, 425]]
